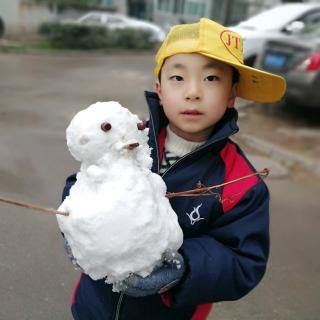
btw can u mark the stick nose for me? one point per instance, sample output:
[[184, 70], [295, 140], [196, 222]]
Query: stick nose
[[131, 146]]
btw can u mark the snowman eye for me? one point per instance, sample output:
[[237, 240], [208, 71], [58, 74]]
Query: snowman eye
[[142, 125], [106, 126]]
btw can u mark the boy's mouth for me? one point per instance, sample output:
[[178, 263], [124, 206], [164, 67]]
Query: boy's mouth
[[192, 112]]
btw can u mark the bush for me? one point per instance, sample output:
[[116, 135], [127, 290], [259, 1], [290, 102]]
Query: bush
[[45, 28], [73, 36], [76, 36], [132, 39]]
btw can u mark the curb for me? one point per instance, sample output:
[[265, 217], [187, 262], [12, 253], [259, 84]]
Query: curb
[[288, 158]]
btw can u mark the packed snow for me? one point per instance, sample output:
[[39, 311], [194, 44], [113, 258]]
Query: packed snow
[[120, 221]]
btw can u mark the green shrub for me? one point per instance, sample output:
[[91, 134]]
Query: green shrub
[[45, 27], [132, 39], [72, 36], [76, 36]]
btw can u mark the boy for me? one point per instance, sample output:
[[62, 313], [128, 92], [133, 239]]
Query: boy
[[226, 235]]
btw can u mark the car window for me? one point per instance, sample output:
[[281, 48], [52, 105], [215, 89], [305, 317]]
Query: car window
[[311, 19], [312, 29], [115, 20], [91, 19]]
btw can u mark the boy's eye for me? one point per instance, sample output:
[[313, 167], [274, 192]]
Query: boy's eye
[[212, 78], [176, 78]]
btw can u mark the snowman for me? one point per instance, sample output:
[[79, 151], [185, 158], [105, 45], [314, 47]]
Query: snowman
[[120, 221]]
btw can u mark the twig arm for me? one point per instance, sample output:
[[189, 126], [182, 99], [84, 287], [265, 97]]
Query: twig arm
[[200, 191], [206, 191], [31, 206]]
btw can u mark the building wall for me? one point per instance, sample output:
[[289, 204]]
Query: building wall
[[121, 6], [22, 16], [30, 16], [9, 13]]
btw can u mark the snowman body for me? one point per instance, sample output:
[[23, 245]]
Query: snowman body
[[120, 221]]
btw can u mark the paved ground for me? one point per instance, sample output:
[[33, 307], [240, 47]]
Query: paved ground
[[39, 96], [288, 134]]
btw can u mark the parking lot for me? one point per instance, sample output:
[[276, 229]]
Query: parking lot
[[39, 96]]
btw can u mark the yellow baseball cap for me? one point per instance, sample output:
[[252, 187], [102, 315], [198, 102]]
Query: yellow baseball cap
[[215, 41]]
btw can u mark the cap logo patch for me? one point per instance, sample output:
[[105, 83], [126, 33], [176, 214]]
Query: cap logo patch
[[233, 43]]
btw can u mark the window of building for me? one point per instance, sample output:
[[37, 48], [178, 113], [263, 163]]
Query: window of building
[[195, 8], [108, 3], [229, 13], [165, 5], [178, 6], [218, 10], [239, 12]]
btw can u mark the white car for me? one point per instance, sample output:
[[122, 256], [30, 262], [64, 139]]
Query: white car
[[118, 21], [276, 22]]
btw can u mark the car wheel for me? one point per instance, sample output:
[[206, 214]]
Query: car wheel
[[250, 61], [1, 27]]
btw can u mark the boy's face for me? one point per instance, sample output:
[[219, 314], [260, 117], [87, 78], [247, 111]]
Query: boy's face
[[195, 91]]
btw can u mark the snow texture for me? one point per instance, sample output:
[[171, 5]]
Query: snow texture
[[120, 221]]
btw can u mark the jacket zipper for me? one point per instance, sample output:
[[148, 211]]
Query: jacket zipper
[[118, 306], [156, 141], [191, 153]]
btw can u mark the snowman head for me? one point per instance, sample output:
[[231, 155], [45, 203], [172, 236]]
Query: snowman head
[[104, 128]]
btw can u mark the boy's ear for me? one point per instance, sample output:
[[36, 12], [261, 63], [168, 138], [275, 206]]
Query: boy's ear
[[158, 91], [233, 95]]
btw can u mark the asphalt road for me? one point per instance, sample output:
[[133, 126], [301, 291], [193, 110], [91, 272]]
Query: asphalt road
[[39, 95]]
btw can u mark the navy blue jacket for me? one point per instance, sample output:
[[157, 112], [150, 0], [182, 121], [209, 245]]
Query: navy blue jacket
[[226, 234]]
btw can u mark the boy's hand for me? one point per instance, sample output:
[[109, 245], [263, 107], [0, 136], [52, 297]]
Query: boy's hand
[[160, 280]]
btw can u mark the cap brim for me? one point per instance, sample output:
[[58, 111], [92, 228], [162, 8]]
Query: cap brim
[[255, 84]]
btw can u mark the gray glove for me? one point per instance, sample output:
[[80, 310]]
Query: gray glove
[[68, 250], [159, 281]]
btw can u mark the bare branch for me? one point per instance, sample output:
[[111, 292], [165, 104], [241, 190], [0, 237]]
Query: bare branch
[[206, 191], [31, 206]]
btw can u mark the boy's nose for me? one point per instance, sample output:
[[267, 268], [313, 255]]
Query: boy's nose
[[192, 97], [193, 92]]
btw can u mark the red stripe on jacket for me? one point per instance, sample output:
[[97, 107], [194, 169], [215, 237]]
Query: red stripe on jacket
[[236, 166], [202, 310], [73, 299], [162, 141]]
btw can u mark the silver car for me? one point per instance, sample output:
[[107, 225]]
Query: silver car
[[277, 22], [118, 21], [297, 59]]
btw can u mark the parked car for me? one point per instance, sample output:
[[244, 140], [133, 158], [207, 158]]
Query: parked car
[[298, 60], [118, 21], [280, 21]]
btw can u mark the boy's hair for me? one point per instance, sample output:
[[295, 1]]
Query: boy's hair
[[235, 76], [213, 40]]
